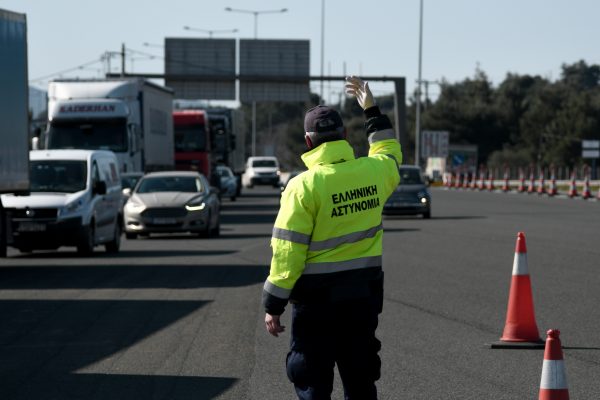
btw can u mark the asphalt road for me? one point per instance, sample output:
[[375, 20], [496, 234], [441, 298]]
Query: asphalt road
[[176, 317]]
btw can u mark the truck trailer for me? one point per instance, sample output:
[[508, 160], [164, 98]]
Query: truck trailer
[[14, 112], [131, 117]]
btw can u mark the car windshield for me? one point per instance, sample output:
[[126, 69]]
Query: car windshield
[[264, 163], [57, 176], [129, 182], [104, 134], [170, 184], [410, 176]]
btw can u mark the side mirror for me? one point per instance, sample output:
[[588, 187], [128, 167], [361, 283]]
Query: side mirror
[[126, 192], [99, 188], [35, 143]]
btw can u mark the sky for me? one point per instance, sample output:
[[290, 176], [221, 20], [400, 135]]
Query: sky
[[378, 37]]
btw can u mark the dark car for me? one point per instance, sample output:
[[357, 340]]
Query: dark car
[[411, 197]]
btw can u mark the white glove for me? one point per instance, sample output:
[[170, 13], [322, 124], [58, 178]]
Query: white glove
[[360, 89]]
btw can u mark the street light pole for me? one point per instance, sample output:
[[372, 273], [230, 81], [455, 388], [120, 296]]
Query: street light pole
[[322, 43], [418, 112], [255, 13], [210, 31]]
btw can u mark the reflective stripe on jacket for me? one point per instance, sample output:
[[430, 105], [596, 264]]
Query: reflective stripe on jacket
[[329, 220]]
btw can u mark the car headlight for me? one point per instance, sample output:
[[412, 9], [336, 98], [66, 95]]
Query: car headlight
[[71, 208], [134, 206], [423, 197], [195, 205]]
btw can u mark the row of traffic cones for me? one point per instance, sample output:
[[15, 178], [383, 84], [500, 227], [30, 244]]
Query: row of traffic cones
[[521, 331], [487, 183]]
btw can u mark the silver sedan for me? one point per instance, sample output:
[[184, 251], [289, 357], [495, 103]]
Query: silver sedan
[[174, 201]]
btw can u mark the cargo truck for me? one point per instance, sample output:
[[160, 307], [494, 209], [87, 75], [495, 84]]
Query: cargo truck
[[130, 117], [228, 138], [14, 109]]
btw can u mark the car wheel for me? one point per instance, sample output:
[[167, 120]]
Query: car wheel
[[131, 235], [86, 247], [114, 245], [207, 231], [216, 232], [427, 214], [233, 198]]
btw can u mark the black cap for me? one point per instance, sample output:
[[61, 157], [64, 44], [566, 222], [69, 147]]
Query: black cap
[[323, 119]]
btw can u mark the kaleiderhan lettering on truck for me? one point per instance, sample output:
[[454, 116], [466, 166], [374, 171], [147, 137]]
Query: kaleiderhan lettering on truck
[[354, 206]]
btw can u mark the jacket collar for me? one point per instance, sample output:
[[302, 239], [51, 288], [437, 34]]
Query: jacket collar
[[328, 153]]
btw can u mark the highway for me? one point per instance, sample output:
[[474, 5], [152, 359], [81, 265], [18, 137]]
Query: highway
[[179, 317]]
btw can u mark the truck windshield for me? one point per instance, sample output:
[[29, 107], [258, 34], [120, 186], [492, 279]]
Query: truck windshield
[[410, 176], [57, 176], [190, 138], [104, 134]]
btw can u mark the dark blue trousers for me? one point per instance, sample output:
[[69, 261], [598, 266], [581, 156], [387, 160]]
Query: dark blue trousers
[[341, 333]]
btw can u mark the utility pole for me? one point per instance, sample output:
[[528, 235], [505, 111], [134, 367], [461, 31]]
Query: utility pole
[[418, 112], [122, 60]]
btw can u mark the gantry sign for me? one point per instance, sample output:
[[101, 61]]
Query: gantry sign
[[269, 71]]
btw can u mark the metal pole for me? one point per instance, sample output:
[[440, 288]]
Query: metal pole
[[418, 116], [253, 128], [255, 25], [322, 43], [122, 59]]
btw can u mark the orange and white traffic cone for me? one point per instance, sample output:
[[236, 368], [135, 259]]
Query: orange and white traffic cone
[[481, 183], [505, 183], [531, 187], [521, 187], [520, 329], [553, 385], [473, 184], [541, 184], [573, 186], [490, 183], [552, 190], [586, 193]]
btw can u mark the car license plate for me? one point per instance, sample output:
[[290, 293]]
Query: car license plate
[[164, 221], [31, 227]]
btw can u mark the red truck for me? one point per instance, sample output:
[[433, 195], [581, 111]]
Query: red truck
[[192, 141]]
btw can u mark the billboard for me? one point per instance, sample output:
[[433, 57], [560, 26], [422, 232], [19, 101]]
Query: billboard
[[274, 70], [201, 68], [434, 144]]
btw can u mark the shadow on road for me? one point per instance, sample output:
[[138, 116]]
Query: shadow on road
[[249, 218], [400, 230], [44, 343], [99, 254], [85, 276]]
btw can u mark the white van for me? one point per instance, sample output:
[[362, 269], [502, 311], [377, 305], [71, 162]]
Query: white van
[[75, 200], [261, 171]]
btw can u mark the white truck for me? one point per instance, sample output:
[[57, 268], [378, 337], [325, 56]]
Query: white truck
[[131, 117], [14, 108]]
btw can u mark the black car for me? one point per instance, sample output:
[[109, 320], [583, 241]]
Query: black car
[[411, 197]]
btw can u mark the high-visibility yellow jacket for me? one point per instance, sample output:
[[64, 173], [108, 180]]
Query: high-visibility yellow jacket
[[328, 231]]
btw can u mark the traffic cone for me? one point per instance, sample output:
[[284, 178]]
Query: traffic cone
[[459, 180], [552, 190], [586, 192], [542, 184], [490, 183], [506, 184], [553, 385], [481, 184], [473, 184], [573, 186], [520, 329], [521, 187], [531, 187]]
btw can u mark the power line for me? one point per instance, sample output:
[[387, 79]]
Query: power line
[[79, 67]]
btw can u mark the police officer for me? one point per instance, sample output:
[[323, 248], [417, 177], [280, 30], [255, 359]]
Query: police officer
[[327, 253]]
